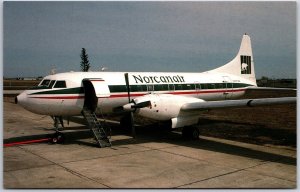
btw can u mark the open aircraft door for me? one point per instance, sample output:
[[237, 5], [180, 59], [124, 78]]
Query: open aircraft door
[[227, 84], [93, 90]]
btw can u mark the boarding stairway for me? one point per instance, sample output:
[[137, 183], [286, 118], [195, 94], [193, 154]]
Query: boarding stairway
[[96, 128]]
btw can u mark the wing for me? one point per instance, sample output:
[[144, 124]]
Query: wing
[[254, 88], [237, 103], [254, 92]]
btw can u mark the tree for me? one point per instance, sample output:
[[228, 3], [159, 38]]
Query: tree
[[264, 78], [84, 64]]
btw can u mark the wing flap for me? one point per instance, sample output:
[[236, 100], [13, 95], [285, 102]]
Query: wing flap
[[237, 103]]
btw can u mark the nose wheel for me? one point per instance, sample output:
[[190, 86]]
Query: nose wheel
[[57, 137]]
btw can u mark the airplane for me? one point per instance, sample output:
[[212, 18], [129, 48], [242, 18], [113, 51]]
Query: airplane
[[173, 97]]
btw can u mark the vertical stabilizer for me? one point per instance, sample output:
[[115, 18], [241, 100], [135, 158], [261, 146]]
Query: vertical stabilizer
[[242, 65]]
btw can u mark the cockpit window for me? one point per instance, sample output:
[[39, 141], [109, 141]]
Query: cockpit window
[[60, 84], [45, 82], [51, 84]]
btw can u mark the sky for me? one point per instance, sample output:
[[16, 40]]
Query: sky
[[147, 36]]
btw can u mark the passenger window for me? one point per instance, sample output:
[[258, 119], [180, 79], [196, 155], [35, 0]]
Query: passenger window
[[211, 86], [178, 87], [60, 84], [203, 86], [137, 88], [161, 87], [150, 88], [171, 87]]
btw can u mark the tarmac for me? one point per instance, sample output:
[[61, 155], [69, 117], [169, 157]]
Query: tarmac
[[155, 159]]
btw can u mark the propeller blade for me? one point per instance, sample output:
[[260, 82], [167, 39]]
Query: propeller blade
[[132, 125], [127, 86], [129, 103], [141, 105], [132, 106]]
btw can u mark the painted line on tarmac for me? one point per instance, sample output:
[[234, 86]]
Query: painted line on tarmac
[[25, 142]]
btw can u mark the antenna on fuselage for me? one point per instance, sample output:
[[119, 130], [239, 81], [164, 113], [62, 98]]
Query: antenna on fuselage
[[53, 71]]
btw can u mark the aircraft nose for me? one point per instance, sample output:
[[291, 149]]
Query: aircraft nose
[[21, 99]]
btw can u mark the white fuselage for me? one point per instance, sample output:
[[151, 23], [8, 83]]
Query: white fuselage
[[58, 99]]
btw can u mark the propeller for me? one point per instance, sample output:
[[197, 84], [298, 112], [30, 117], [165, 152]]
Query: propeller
[[129, 102], [132, 106]]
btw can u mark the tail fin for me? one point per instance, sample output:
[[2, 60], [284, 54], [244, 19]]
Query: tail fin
[[242, 65]]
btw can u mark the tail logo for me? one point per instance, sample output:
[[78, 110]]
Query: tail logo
[[245, 64]]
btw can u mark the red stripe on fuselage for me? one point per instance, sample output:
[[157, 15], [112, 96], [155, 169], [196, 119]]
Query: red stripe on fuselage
[[201, 92], [59, 97]]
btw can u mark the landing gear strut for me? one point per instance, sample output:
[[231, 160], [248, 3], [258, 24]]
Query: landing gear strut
[[57, 137], [58, 120], [190, 133]]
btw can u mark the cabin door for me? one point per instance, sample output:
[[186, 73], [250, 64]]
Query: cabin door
[[93, 90]]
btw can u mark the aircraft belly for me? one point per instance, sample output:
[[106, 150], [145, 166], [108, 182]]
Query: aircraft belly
[[211, 96], [234, 94]]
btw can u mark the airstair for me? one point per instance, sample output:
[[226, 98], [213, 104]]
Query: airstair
[[96, 128]]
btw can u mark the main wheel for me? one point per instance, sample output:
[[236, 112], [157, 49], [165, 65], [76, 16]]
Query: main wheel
[[195, 133], [190, 133], [125, 122]]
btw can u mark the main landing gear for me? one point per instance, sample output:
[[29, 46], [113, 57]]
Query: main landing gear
[[190, 133], [57, 137]]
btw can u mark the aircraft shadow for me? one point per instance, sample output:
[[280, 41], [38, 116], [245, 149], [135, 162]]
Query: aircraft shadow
[[144, 136], [152, 133]]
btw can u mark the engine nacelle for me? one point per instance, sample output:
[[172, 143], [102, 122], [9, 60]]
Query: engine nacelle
[[163, 106], [184, 121]]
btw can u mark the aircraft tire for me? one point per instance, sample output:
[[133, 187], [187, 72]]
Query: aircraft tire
[[125, 122], [195, 133], [190, 133], [57, 138]]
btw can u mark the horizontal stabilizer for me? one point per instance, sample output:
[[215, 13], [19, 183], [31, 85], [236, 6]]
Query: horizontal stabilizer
[[237, 103]]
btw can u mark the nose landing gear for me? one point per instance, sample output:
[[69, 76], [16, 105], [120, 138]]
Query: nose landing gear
[[57, 137]]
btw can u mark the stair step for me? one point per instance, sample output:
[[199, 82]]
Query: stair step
[[96, 128]]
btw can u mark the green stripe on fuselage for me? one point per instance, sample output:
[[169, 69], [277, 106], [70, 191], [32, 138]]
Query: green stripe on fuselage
[[157, 87], [77, 90]]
